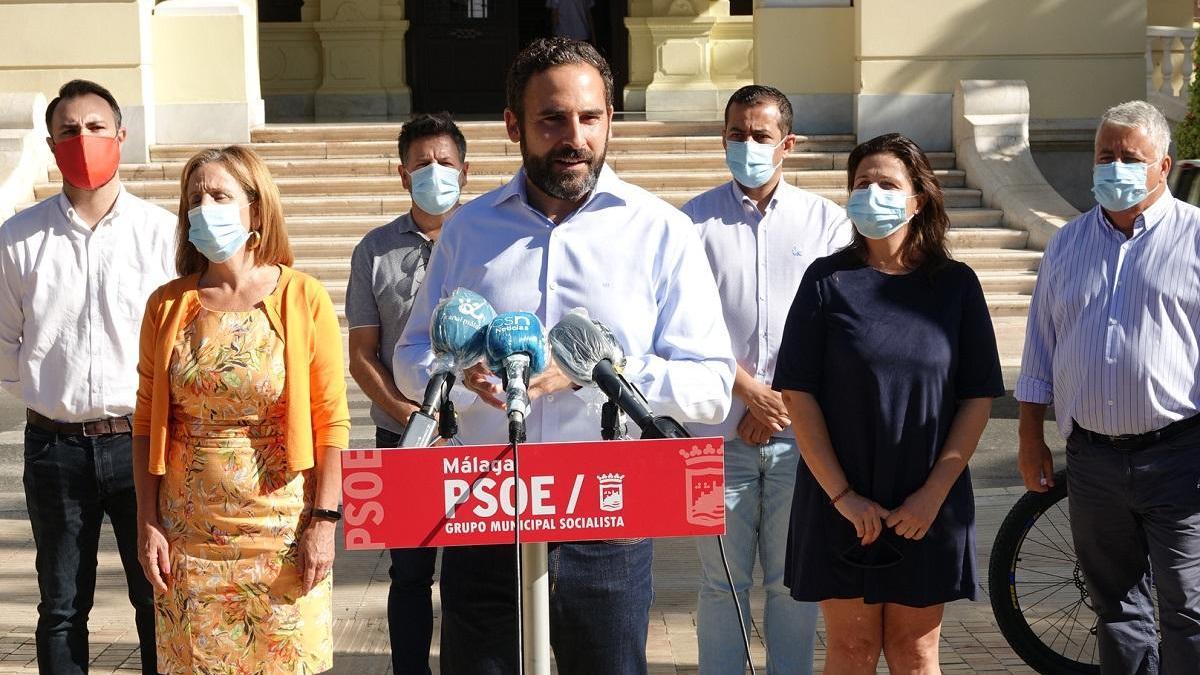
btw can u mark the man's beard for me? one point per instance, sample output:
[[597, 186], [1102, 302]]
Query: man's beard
[[567, 185]]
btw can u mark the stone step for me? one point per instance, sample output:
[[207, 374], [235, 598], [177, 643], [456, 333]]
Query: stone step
[[676, 188], [824, 156], [379, 167], [324, 245], [997, 259], [276, 133]]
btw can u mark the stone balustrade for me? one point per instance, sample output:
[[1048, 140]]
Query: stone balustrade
[[1169, 68]]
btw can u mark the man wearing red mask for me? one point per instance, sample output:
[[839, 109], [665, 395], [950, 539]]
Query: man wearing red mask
[[75, 272]]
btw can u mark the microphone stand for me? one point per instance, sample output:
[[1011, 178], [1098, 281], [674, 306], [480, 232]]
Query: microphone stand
[[533, 576]]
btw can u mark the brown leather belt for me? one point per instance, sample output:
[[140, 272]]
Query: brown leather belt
[[104, 427]]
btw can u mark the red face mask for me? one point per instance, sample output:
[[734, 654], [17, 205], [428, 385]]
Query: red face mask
[[88, 162]]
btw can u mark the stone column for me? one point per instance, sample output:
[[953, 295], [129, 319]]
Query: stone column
[[362, 64], [219, 101], [686, 57]]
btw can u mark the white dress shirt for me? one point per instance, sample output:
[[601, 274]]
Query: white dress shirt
[[1113, 338], [71, 304], [634, 262], [758, 260]]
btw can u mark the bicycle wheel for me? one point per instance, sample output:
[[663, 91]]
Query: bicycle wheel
[[1037, 590]]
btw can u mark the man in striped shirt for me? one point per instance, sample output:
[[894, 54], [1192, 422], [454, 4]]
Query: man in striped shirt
[[1113, 341]]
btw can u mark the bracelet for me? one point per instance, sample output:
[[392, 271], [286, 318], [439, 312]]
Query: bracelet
[[841, 494], [327, 514]]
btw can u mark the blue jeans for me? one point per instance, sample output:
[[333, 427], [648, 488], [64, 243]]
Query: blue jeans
[[70, 483], [1133, 512], [410, 596], [600, 595], [758, 506]]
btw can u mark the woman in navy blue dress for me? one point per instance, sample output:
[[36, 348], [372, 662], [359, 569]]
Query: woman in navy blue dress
[[888, 365]]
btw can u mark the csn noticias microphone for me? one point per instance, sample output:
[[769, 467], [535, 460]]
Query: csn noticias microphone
[[457, 332], [516, 350], [588, 353]]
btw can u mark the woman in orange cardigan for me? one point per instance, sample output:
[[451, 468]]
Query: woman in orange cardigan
[[241, 414]]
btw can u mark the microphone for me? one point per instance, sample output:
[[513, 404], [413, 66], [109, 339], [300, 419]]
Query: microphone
[[516, 350], [457, 333], [588, 353]]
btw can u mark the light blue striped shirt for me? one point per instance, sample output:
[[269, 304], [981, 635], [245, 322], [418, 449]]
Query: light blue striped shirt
[[1113, 337]]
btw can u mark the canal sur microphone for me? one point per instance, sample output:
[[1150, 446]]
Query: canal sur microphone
[[589, 354], [516, 351], [457, 331]]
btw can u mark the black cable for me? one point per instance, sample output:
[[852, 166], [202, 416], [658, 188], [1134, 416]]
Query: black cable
[[517, 542], [737, 604]]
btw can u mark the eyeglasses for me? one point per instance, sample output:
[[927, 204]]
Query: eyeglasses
[[879, 554]]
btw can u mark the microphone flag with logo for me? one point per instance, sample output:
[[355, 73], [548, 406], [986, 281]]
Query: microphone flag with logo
[[459, 326], [458, 335], [516, 350]]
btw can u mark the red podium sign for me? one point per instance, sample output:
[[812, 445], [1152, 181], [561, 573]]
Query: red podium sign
[[466, 495]]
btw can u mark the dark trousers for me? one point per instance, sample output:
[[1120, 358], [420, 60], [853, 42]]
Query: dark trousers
[[1135, 515], [600, 597], [70, 483], [410, 596]]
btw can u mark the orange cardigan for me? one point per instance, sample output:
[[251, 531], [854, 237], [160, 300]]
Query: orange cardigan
[[301, 313]]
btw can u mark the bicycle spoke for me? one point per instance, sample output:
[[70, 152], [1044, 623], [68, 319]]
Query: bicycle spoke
[[1050, 543], [1049, 593], [1045, 574]]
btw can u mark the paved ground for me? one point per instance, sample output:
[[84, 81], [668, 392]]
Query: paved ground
[[971, 642]]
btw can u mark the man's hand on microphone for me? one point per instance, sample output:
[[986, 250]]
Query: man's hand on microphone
[[548, 381], [480, 380]]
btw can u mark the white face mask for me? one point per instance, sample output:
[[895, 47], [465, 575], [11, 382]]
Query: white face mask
[[435, 188]]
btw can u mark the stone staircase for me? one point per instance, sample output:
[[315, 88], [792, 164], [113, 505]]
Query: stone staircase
[[339, 181]]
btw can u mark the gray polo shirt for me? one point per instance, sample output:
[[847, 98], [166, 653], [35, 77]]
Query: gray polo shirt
[[386, 270]]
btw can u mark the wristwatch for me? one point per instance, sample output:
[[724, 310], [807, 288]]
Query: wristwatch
[[327, 514]]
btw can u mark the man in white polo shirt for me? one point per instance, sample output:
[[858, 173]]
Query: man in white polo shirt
[[75, 272], [760, 234]]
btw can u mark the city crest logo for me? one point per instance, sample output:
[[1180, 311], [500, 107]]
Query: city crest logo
[[705, 482], [612, 491]]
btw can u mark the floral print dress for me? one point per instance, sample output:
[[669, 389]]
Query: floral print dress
[[233, 512]]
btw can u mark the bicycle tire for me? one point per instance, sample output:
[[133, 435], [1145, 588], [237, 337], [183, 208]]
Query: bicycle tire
[[1006, 599]]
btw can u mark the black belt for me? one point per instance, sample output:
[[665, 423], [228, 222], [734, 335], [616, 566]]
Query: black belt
[[104, 427], [1141, 441]]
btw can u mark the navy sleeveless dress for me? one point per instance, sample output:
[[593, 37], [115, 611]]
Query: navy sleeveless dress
[[888, 358]]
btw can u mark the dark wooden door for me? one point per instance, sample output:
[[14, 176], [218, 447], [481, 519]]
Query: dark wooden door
[[458, 54]]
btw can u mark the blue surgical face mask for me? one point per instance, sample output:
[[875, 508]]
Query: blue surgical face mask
[[752, 164], [876, 212], [1119, 186], [217, 230], [435, 188]]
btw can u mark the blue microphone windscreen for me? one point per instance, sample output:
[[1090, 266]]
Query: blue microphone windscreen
[[459, 326], [516, 333]]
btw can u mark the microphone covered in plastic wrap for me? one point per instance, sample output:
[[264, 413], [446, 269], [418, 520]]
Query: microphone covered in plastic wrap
[[579, 343], [513, 333], [459, 327]]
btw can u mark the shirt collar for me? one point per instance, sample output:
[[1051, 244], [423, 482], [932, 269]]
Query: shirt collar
[[606, 184], [1147, 219], [740, 197], [68, 209]]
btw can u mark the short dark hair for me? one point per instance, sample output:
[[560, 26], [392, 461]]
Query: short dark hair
[[77, 88], [542, 55], [925, 243], [754, 94], [427, 125]]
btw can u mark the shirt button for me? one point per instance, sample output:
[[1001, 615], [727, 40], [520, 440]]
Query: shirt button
[[550, 398], [553, 286], [1110, 402]]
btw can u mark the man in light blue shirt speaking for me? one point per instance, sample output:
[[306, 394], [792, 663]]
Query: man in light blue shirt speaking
[[566, 232], [760, 234], [1113, 341]]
